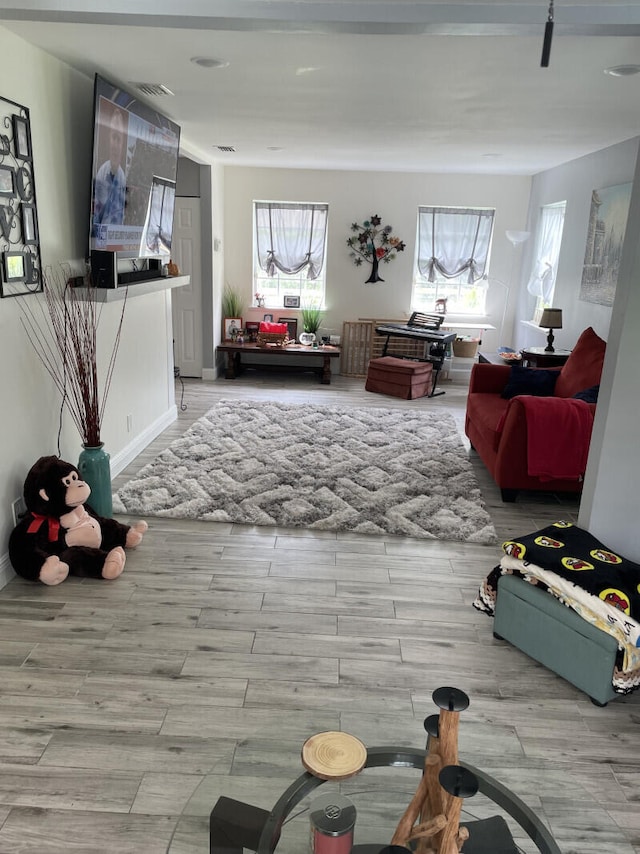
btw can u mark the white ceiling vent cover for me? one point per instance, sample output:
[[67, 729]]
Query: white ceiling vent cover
[[153, 89], [228, 148]]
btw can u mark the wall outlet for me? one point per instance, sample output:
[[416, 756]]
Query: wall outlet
[[18, 509]]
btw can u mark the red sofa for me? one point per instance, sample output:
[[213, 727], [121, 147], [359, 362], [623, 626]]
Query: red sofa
[[535, 441]]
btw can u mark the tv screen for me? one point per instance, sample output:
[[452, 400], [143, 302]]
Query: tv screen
[[133, 175]]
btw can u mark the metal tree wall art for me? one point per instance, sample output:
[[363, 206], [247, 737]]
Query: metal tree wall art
[[375, 243]]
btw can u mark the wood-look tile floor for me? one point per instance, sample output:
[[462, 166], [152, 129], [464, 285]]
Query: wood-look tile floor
[[127, 708]]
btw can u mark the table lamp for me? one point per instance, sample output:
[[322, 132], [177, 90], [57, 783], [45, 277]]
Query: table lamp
[[551, 319]]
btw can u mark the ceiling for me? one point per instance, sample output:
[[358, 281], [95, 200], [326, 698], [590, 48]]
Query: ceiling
[[363, 84]]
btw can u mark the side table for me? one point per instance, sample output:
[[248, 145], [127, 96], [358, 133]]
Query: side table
[[485, 358], [538, 357], [235, 825]]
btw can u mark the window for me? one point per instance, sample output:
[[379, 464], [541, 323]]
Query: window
[[547, 252], [289, 252], [452, 256]]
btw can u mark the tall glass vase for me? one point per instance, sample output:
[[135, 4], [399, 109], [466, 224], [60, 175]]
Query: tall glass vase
[[94, 468]]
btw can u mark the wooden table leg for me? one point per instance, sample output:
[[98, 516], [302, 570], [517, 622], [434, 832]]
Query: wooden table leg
[[325, 376], [233, 365]]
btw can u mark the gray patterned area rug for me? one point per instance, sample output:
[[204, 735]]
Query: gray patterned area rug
[[367, 470]]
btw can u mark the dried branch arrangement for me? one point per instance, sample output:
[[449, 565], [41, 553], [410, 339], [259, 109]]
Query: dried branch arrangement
[[62, 327]]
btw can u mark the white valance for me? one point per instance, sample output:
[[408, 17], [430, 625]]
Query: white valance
[[452, 241], [291, 237]]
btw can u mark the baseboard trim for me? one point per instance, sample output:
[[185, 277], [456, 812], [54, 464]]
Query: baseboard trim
[[127, 455], [6, 571], [210, 374]]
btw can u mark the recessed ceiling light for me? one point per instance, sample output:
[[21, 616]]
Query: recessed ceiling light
[[209, 62], [622, 70]]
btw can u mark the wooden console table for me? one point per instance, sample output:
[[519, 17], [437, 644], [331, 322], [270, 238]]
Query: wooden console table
[[291, 352]]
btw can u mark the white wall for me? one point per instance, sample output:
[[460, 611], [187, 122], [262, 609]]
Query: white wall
[[609, 502], [60, 101], [572, 182], [354, 196], [609, 506]]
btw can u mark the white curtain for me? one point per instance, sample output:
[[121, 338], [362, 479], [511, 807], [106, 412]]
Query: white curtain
[[545, 266], [452, 241], [291, 237]]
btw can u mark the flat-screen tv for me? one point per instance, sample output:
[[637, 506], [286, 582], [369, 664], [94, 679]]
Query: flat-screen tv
[[133, 175]]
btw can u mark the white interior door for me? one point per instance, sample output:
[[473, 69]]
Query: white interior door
[[187, 300]]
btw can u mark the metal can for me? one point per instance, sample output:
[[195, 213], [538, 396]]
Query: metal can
[[333, 818]]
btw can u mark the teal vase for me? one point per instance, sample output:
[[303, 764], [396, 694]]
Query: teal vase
[[94, 468]]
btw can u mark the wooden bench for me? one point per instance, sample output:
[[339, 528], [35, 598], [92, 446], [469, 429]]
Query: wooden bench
[[316, 359]]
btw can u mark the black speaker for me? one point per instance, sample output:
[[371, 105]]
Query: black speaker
[[104, 273]]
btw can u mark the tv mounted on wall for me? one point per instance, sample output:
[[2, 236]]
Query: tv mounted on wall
[[133, 176]]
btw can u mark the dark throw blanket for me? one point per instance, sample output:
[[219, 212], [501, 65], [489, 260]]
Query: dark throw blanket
[[598, 583]]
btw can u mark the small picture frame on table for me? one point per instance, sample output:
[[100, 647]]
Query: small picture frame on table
[[252, 327], [232, 327], [21, 138], [268, 318], [291, 301], [292, 326]]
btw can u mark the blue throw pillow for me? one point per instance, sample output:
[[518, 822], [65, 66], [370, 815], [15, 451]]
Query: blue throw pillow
[[589, 395], [536, 381]]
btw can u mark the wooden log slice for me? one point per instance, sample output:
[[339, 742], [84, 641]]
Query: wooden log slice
[[333, 755]]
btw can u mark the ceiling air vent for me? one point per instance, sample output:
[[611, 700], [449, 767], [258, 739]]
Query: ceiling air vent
[[228, 148], [152, 89]]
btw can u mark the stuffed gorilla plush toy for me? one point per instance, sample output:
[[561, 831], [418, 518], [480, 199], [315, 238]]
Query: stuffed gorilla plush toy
[[60, 536]]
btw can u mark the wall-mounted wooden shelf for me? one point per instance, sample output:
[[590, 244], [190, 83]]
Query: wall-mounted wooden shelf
[[138, 289]]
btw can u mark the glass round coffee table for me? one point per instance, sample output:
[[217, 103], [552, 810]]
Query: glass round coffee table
[[497, 820]]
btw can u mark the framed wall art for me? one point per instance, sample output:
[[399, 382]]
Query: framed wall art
[[7, 181], [21, 268], [13, 266], [291, 301], [29, 228], [605, 235], [21, 138]]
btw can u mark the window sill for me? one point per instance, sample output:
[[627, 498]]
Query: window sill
[[530, 324]]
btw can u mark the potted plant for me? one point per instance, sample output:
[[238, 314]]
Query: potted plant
[[311, 319], [232, 310], [232, 302]]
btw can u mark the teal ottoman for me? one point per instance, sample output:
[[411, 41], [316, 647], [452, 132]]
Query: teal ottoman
[[537, 623]]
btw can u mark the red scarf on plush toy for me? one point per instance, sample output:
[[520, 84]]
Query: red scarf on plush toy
[[38, 522]]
